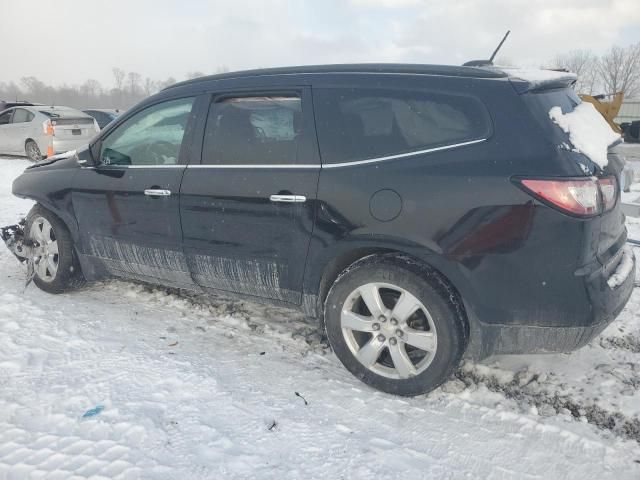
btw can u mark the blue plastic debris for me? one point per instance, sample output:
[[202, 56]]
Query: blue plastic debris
[[93, 411]]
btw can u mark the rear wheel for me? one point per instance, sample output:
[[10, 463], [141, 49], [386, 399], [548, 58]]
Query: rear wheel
[[56, 268], [32, 150], [394, 325]]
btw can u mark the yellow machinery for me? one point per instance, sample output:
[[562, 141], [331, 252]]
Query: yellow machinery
[[609, 110]]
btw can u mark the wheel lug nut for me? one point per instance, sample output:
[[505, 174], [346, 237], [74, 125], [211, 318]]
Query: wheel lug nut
[[382, 318], [394, 321], [381, 338], [393, 341], [399, 333], [375, 326]]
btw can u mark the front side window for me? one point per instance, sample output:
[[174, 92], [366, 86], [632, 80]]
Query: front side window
[[360, 124], [253, 131], [151, 137]]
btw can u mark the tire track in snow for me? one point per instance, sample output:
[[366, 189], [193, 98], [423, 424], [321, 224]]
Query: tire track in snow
[[549, 404]]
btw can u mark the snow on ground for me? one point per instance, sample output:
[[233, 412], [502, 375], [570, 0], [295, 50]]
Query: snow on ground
[[196, 387]]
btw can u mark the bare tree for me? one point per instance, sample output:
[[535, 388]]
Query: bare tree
[[584, 64], [133, 80], [149, 86], [195, 74], [91, 88], [118, 76], [165, 83], [128, 89], [619, 70], [34, 88]]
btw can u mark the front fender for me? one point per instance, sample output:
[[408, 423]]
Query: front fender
[[50, 186]]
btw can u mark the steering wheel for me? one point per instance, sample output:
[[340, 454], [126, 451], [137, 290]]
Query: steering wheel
[[157, 151]]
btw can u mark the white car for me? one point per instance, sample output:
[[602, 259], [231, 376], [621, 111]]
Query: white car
[[40, 130]]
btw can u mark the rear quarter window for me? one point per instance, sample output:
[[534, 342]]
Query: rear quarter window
[[540, 104], [361, 124]]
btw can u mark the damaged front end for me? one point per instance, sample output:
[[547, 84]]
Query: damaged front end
[[25, 249]]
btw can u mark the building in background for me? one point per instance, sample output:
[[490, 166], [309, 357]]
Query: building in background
[[629, 111]]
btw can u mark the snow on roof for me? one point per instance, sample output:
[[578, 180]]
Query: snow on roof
[[588, 131], [536, 75]]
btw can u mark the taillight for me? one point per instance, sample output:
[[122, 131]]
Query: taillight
[[609, 191], [578, 197], [48, 128]]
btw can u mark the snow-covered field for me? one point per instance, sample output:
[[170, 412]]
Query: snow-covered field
[[197, 387]]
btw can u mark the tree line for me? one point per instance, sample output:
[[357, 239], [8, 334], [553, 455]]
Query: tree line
[[127, 90], [617, 70]]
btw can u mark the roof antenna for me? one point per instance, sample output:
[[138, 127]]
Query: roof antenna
[[484, 63], [499, 47]]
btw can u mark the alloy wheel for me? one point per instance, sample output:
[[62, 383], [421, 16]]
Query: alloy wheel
[[388, 330], [46, 256]]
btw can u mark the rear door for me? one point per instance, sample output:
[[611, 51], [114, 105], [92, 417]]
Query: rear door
[[247, 209]]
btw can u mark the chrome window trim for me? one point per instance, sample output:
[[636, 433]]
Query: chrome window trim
[[93, 167], [402, 155], [259, 165], [349, 164], [328, 165]]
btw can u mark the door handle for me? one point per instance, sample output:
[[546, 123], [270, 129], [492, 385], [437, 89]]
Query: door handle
[[288, 198], [157, 192]]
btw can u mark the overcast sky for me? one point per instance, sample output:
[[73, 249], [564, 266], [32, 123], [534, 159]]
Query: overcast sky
[[69, 41]]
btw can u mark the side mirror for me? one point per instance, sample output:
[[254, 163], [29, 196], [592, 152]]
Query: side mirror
[[94, 153], [84, 158]]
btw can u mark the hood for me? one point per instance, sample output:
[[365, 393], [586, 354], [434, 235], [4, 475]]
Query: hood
[[71, 154]]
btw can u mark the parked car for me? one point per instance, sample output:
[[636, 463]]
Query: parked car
[[16, 103], [422, 213], [104, 116], [40, 130]]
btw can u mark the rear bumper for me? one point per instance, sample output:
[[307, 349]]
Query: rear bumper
[[608, 290]]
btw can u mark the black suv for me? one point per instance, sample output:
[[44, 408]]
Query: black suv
[[423, 213]]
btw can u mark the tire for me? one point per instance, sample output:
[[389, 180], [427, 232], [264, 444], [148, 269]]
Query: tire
[[32, 150], [57, 269], [411, 354]]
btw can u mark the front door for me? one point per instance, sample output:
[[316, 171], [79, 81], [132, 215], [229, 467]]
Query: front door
[[127, 206], [248, 208]]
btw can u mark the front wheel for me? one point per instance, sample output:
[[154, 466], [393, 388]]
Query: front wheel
[[56, 268], [395, 325]]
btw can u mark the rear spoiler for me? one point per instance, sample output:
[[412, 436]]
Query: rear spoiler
[[534, 80], [524, 86]]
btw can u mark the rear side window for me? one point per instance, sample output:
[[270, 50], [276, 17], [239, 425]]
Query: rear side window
[[541, 102], [361, 124], [21, 116], [253, 131]]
